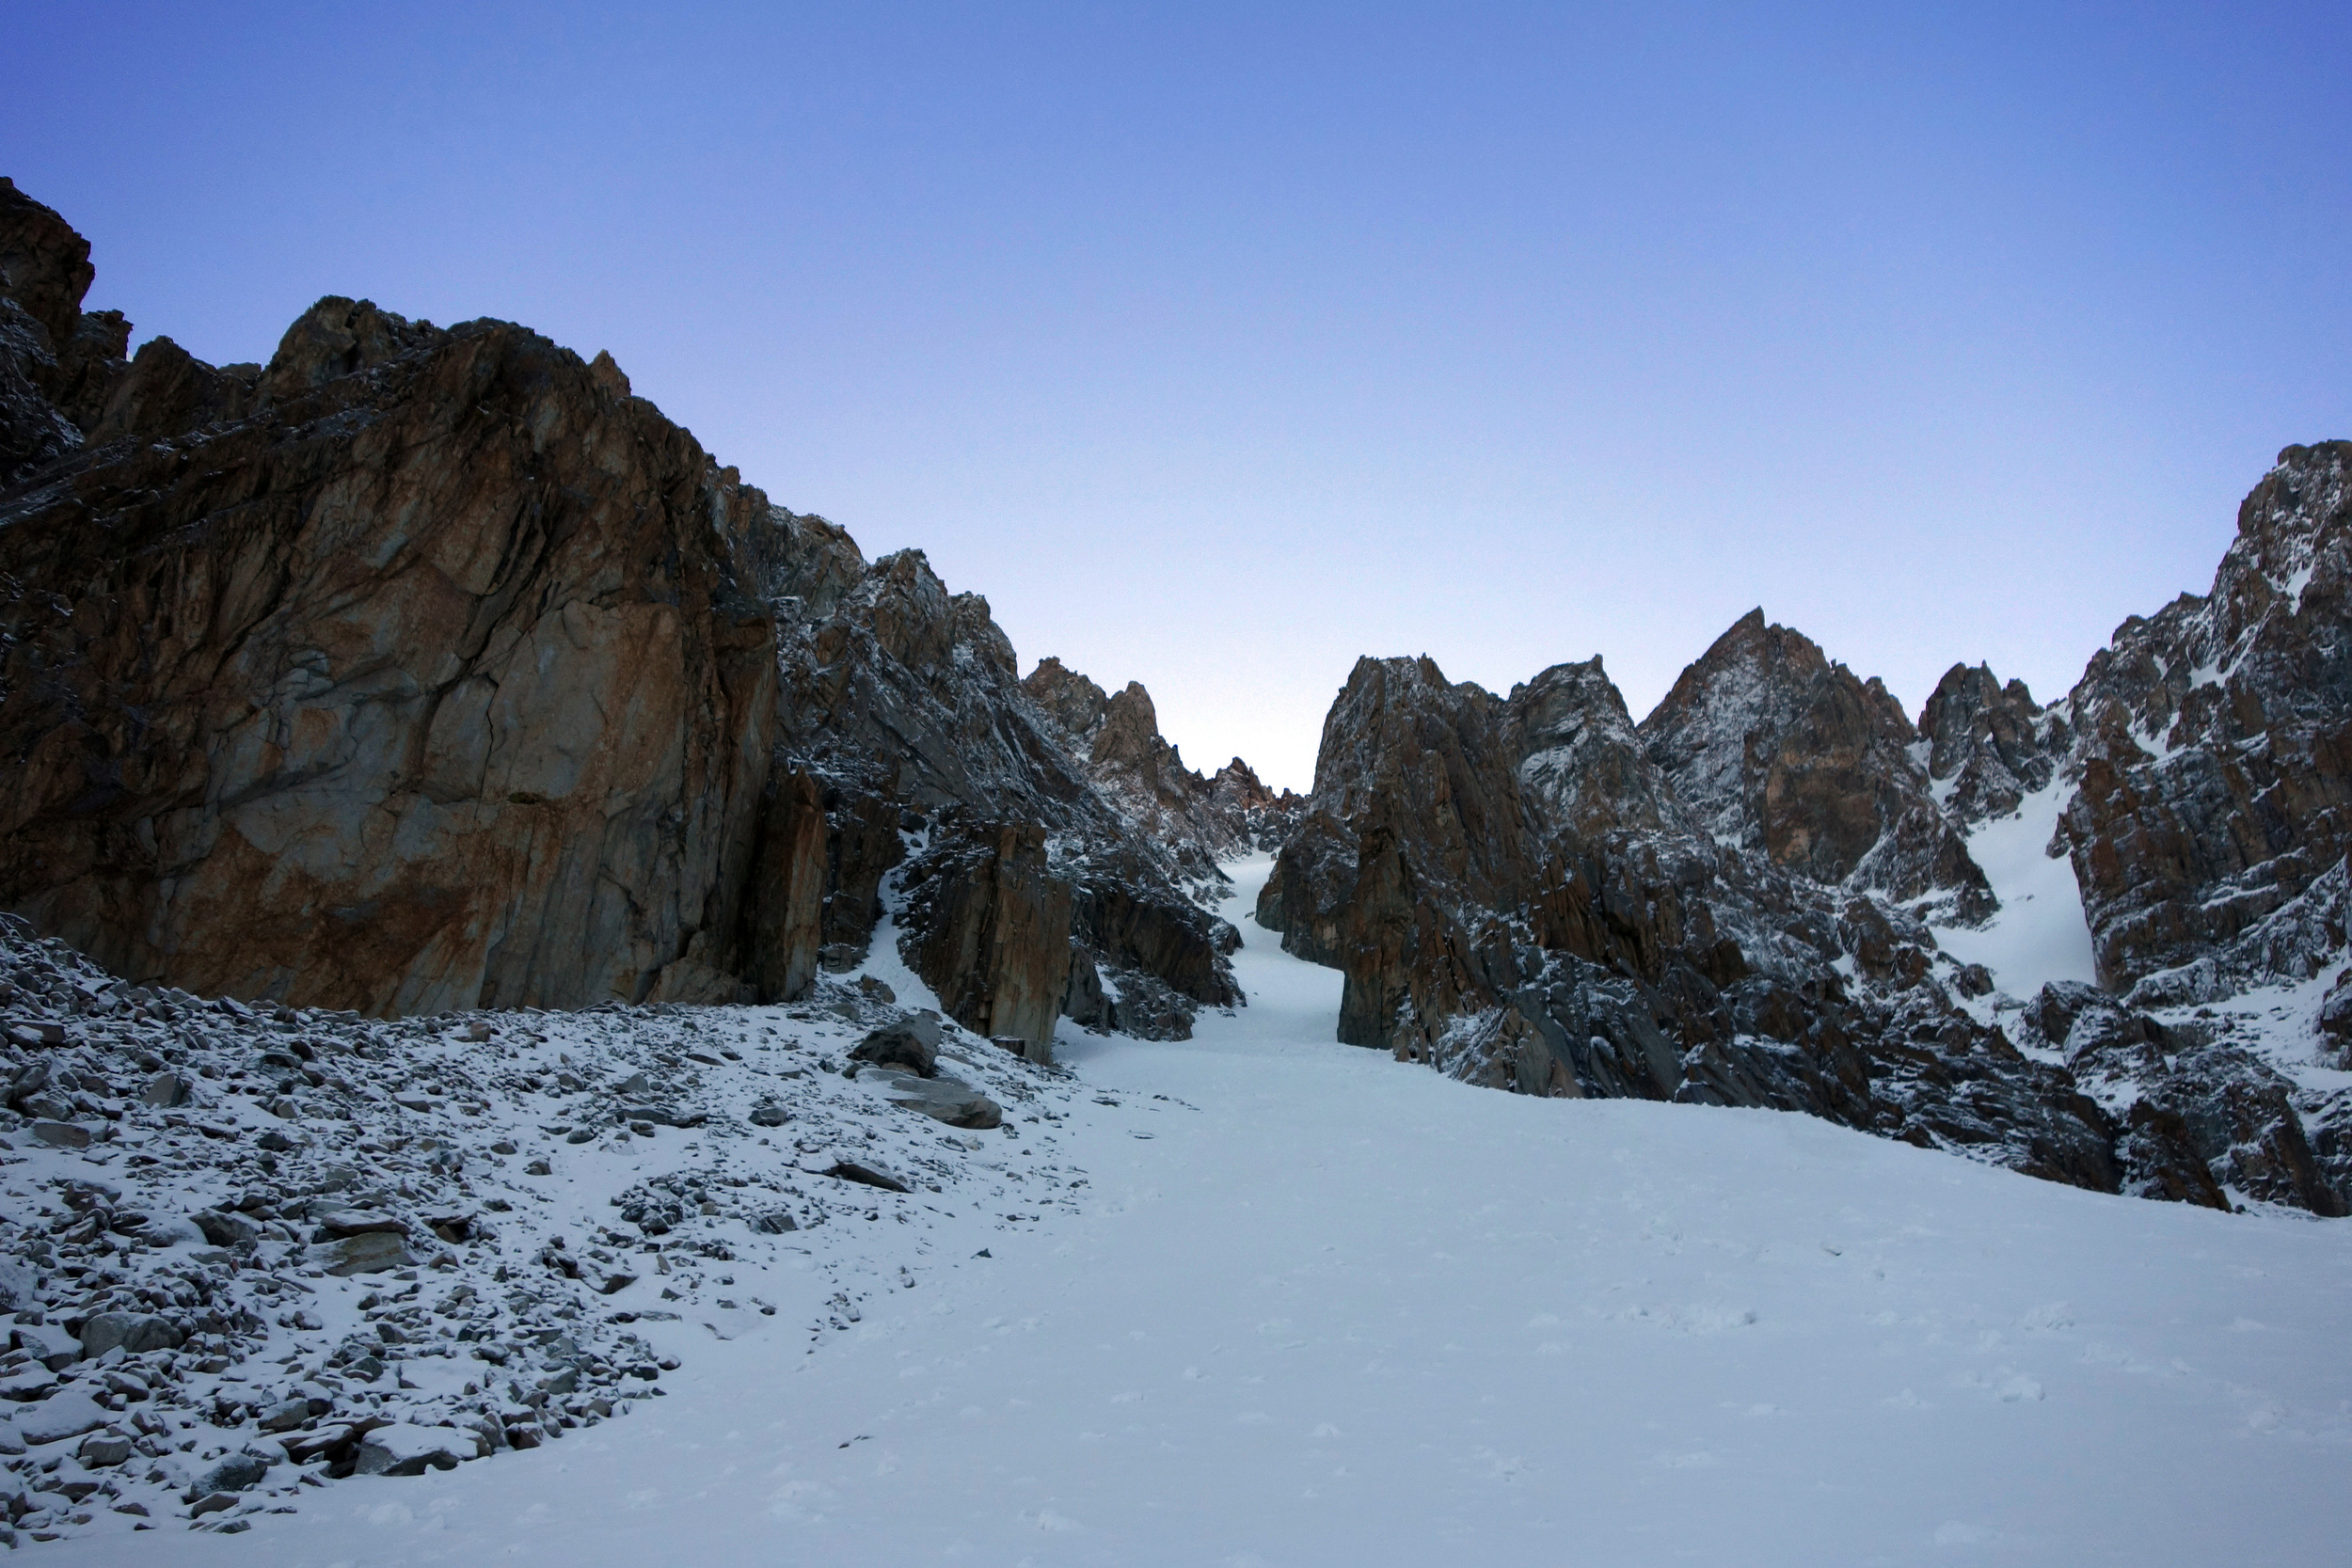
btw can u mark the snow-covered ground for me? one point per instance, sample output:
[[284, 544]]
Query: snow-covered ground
[[1315, 1307], [2040, 934]]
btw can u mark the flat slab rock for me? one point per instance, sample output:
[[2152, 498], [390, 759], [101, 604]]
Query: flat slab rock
[[947, 1099], [407, 1449], [60, 1417]]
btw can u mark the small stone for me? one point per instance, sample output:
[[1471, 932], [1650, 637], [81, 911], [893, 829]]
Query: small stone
[[538, 1167], [504, 1146], [275, 1141], [219, 1502], [770, 1114], [774, 1223], [61, 1135]]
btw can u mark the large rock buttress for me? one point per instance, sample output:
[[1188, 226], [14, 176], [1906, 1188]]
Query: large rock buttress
[[421, 670]]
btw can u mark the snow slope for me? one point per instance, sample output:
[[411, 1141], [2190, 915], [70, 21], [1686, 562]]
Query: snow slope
[[1317, 1308], [2040, 934]]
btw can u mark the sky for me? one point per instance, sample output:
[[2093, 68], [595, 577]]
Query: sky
[[1220, 345]]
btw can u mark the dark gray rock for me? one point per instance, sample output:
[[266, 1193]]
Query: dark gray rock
[[137, 1333]]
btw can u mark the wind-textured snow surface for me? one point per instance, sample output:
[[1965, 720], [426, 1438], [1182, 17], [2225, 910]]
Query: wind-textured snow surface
[[1315, 1307]]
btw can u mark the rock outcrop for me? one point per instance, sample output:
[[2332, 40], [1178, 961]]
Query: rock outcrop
[[415, 670], [2212, 752], [428, 668], [1199, 821], [58, 364], [991, 926], [903, 702], [1778, 749], [1518, 893], [1989, 745]]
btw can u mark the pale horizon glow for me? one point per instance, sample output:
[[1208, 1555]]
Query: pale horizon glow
[[1216, 348]]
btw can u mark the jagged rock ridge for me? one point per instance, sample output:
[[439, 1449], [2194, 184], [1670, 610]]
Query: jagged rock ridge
[[428, 668]]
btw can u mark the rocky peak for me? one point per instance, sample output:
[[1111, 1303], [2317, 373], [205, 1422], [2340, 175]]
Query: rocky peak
[[58, 363], [1775, 748], [1015, 854], [1520, 926], [1989, 745], [44, 265], [1267, 816], [336, 338], [1582, 763], [1130, 738], [2213, 740], [1069, 699]]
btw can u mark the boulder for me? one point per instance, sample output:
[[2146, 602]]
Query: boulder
[[360, 1222], [61, 1135], [18, 1286], [947, 1099], [101, 1450], [233, 1472], [137, 1333], [899, 1045], [404, 1450], [225, 1228], [369, 1252], [60, 1415]]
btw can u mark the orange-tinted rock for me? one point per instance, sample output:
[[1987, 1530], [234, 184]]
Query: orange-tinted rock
[[438, 677]]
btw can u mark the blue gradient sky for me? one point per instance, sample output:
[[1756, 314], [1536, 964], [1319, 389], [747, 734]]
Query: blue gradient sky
[[1218, 345]]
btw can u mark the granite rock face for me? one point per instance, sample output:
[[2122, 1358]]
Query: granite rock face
[[1526, 899], [1777, 748], [415, 670], [992, 934], [58, 364], [1198, 820], [903, 702], [2213, 752], [1989, 745], [424, 669]]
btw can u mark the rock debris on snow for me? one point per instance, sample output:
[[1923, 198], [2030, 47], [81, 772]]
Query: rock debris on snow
[[282, 1247]]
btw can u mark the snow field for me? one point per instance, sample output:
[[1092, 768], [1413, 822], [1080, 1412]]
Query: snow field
[[1321, 1307], [2040, 934]]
